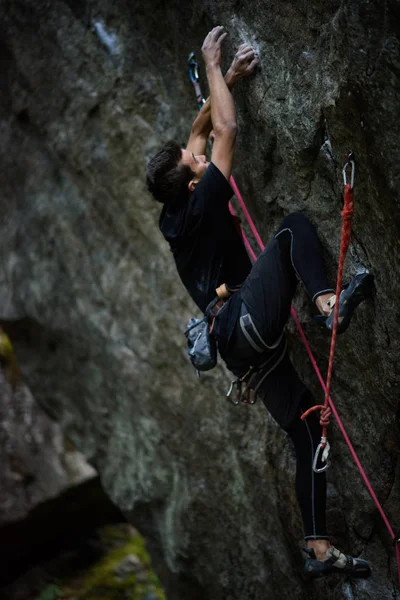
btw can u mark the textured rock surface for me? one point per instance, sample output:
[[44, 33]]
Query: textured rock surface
[[37, 462], [94, 305]]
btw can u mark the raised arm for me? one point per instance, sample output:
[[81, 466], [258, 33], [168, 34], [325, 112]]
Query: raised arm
[[242, 65], [223, 114]]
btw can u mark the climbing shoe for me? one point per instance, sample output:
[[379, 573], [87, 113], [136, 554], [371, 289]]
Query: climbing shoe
[[336, 562], [359, 288]]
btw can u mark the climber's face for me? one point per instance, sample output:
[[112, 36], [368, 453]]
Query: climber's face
[[198, 164]]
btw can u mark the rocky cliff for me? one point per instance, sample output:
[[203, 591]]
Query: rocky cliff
[[90, 297]]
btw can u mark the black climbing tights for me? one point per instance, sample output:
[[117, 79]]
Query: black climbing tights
[[301, 254], [286, 398], [294, 254], [310, 486]]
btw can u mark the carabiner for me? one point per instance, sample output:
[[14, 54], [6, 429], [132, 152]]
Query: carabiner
[[350, 162], [236, 383], [323, 445], [193, 67], [249, 397], [194, 78]]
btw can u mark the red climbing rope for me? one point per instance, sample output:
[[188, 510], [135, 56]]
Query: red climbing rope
[[394, 537], [347, 214], [328, 405]]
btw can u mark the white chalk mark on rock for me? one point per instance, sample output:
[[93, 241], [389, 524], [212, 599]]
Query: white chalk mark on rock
[[109, 40]]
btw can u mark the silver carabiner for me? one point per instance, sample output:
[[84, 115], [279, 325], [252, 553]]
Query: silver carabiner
[[192, 62], [236, 383], [349, 162], [324, 444], [194, 78], [249, 397]]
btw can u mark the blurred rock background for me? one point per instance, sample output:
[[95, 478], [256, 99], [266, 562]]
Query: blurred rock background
[[91, 301]]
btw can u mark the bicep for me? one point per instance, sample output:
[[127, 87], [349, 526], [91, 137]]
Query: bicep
[[197, 143], [223, 151]]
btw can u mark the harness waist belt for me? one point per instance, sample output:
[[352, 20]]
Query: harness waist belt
[[217, 306]]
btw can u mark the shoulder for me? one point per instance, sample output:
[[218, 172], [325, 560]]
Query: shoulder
[[172, 220], [214, 186]]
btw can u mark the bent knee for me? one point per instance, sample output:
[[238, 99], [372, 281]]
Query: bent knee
[[295, 221]]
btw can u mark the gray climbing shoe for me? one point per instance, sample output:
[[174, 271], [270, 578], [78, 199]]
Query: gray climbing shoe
[[336, 562], [359, 288]]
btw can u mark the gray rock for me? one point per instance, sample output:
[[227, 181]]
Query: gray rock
[[94, 305], [129, 565], [37, 463]]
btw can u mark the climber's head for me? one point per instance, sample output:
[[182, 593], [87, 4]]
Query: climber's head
[[174, 172], [198, 165]]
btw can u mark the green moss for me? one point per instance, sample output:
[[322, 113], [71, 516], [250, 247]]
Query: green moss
[[101, 582], [51, 592]]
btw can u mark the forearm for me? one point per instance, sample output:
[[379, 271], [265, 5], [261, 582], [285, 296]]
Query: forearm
[[223, 114], [203, 124]]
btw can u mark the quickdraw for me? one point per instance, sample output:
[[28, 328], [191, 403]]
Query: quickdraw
[[194, 78], [347, 214], [247, 395]]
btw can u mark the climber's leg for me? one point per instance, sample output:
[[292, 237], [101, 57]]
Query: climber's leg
[[294, 254], [310, 486], [302, 252], [280, 393], [287, 398], [300, 245], [323, 558], [325, 303]]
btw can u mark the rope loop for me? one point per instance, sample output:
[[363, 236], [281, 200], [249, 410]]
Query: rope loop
[[347, 212], [325, 416]]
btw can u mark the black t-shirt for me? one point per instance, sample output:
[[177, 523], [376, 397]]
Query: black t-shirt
[[205, 242]]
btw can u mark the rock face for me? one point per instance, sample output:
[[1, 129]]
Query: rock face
[[37, 465], [92, 302], [37, 462]]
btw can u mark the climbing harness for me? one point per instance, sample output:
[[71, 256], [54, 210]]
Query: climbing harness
[[395, 538], [236, 393], [247, 386], [347, 214]]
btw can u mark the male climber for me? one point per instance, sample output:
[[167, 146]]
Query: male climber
[[254, 302]]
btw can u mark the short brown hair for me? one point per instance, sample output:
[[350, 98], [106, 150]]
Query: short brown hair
[[166, 179]]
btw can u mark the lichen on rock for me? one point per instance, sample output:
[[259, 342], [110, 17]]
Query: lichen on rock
[[124, 571]]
